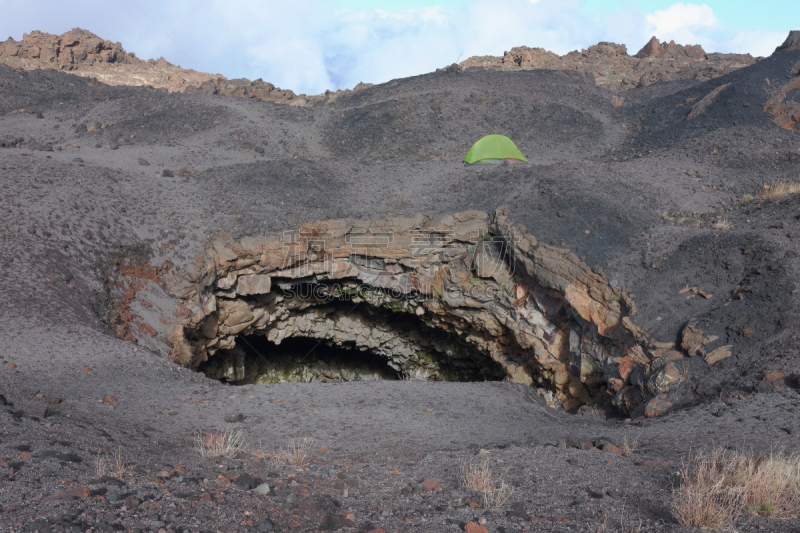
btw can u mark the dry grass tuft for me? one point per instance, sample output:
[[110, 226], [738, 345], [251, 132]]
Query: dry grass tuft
[[625, 526], [480, 478], [617, 101], [629, 448], [309, 228], [296, 453], [181, 352], [720, 486], [722, 223], [228, 444], [779, 190], [112, 466]]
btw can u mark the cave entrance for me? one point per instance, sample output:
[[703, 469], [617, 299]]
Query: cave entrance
[[400, 347], [256, 360]]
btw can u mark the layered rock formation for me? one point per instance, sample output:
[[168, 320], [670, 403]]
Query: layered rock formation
[[85, 54], [785, 104], [613, 68], [464, 297]]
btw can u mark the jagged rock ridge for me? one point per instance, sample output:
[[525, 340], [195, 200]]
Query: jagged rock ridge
[[614, 69], [83, 53]]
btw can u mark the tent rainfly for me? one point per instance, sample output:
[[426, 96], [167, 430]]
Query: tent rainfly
[[494, 149]]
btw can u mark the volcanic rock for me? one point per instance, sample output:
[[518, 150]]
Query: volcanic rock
[[611, 67]]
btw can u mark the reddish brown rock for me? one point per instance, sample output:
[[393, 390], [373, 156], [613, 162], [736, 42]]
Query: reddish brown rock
[[657, 406], [611, 448], [700, 107], [472, 527], [773, 376], [78, 493], [430, 484]]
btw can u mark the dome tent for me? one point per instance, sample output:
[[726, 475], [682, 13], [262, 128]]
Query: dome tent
[[494, 149]]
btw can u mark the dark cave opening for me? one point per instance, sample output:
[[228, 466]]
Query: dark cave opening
[[408, 350]]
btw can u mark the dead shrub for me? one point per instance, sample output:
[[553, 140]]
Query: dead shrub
[[779, 190], [625, 525], [617, 101], [181, 352], [113, 466], [720, 486], [480, 478], [296, 453], [228, 444], [310, 228]]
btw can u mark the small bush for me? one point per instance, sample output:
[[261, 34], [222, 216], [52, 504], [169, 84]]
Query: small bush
[[112, 466], [779, 190], [297, 453], [228, 444], [720, 486], [480, 478]]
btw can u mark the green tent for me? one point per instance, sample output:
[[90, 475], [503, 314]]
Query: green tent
[[493, 149]]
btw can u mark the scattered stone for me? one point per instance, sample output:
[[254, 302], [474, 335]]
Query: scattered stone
[[132, 502], [262, 489], [430, 484], [611, 448], [144, 162], [472, 527], [723, 352], [657, 406], [773, 376], [234, 417], [246, 482], [693, 339], [78, 493], [333, 522], [517, 510], [166, 173]]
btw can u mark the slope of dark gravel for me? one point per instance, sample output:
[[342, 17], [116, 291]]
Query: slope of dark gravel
[[648, 199]]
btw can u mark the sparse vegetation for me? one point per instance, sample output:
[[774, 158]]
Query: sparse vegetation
[[721, 224], [296, 453], [181, 352], [228, 444], [779, 190], [617, 100], [629, 448], [720, 486], [625, 525], [480, 478], [113, 466]]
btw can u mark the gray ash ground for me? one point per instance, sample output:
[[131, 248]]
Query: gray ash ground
[[633, 190]]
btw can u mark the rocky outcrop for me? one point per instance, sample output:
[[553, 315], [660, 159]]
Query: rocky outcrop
[[700, 107], [464, 297], [784, 104], [791, 43], [85, 54], [614, 69]]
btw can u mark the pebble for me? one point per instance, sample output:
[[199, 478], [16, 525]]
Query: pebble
[[262, 489], [234, 417], [430, 484], [472, 527]]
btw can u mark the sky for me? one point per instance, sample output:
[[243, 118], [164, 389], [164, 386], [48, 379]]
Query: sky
[[309, 46]]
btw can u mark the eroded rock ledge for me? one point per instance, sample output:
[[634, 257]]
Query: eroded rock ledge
[[423, 294]]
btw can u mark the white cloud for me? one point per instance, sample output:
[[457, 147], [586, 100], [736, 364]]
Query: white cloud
[[683, 23], [309, 46], [755, 42]]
